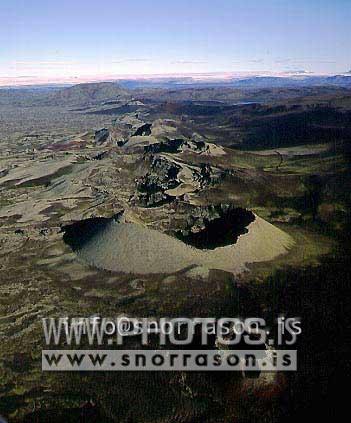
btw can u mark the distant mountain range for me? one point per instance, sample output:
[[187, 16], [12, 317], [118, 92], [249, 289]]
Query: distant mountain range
[[88, 94], [289, 79], [300, 80], [297, 81]]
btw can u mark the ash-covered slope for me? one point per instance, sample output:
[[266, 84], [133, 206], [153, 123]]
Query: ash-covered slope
[[133, 248]]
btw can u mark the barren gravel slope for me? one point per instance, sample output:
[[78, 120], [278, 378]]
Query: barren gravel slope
[[131, 248]]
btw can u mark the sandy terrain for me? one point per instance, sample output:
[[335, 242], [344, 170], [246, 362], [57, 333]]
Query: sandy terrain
[[33, 171], [132, 248]]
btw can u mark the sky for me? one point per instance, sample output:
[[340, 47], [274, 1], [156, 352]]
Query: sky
[[58, 40]]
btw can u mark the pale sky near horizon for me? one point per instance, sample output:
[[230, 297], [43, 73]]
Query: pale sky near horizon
[[49, 40]]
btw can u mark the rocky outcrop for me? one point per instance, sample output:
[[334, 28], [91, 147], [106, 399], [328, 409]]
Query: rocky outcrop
[[167, 146], [101, 135], [143, 130], [176, 146], [152, 186], [208, 175], [165, 168]]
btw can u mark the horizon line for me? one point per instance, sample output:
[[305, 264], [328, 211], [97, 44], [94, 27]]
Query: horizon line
[[9, 81]]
